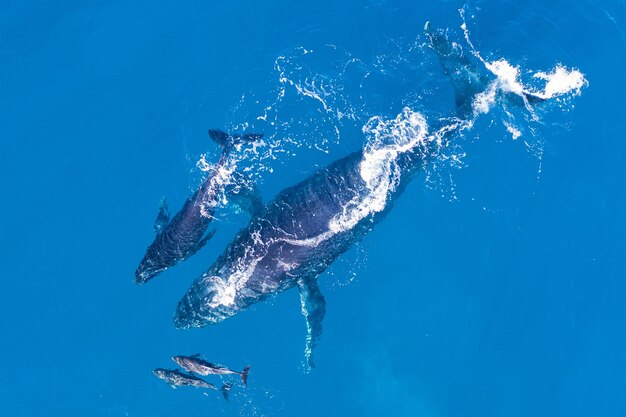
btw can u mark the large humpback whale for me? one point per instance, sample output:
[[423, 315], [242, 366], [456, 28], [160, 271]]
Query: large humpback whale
[[300, 233], [309, 225], [184, 235]]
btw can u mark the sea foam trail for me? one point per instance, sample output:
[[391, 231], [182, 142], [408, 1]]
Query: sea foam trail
[[560, 81]]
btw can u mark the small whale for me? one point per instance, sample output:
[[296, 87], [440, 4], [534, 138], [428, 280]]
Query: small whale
[[175, 378], [198, 365], [184, 235]]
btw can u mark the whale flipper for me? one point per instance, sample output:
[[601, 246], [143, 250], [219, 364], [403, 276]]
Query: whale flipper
[[313, 309], [163, 217]]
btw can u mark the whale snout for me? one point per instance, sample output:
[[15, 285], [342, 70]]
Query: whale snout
[[142, 275], [209, 301], [180, 360], [146, 271]]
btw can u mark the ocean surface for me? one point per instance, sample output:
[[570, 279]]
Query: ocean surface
[[494, 287]]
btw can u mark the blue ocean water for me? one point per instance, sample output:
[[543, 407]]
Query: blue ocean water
[[494, 287]]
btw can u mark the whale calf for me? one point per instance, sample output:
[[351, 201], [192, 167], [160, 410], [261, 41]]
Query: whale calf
[[198, 365], [175, 378], [182, 236]]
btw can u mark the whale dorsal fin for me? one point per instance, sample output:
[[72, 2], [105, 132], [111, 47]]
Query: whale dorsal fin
[[313, 309], [163, 217]]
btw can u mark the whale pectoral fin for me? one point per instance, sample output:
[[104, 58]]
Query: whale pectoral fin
[[163, 217], [200, 245], [313, 309]]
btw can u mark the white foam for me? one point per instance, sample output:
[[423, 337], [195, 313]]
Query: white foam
[[483, 101], [514, 131], [224, 175], [508, 76], [311, 242], [219, 176], [224, 293], [226, 290], [379, 169], [561, 81]]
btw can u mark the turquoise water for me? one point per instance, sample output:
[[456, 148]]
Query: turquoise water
[[494, 287]]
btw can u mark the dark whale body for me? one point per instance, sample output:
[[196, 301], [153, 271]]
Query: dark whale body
[[184, 235], [289, 244]]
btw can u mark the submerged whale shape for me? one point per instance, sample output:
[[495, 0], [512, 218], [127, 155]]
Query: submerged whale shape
[[184, 235], [309, 225]]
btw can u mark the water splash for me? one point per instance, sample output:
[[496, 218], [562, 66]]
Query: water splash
[[387, 140], [560, 82]]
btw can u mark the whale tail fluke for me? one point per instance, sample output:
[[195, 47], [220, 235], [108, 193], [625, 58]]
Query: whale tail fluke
[[244, 375], [218, 136], [467, 80]]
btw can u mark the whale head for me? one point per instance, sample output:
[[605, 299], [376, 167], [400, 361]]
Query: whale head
[[209, 301], [147, 270]]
